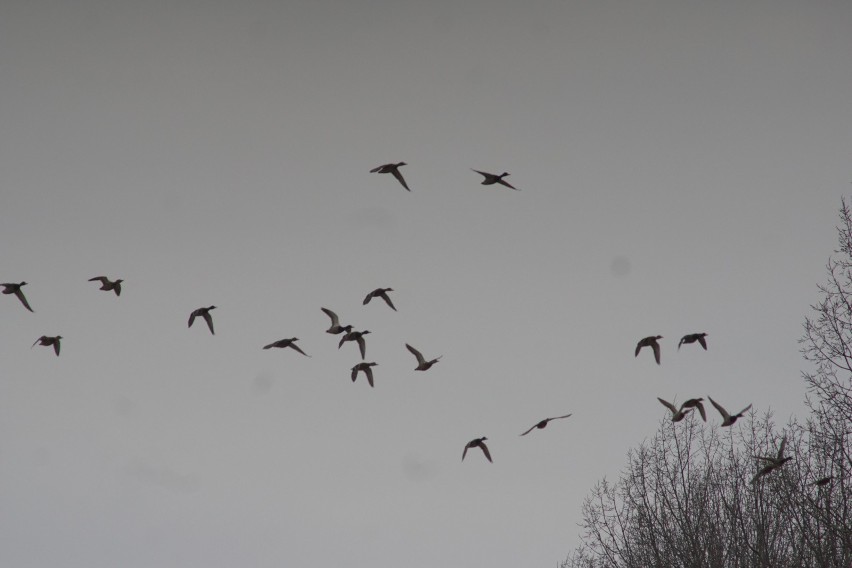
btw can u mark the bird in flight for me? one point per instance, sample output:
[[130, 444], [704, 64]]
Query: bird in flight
[[48, 341], [678, 414], [392, 169], [491, 179], [205, 313], [823, 481], [282, 343], [695, 403], [727, 419], [356, 336], [692, 338], [335, 323], [11, 288], [652, 343], [107, 284], [478, 443], [543, 423], [773, 462], [422, 363], [380, 293], [366, 367]]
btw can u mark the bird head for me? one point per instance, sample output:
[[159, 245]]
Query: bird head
[[211, 308]]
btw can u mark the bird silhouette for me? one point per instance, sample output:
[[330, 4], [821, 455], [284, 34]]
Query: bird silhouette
[[107, 284], [357, 336], [11, 288], [335, 323], [678, 414], [544, 422], [205, 313], [478, 443], [773, 462], [48, 341], [380, 293], [728, 419], [692, 338], [282, 343], [491, 179], [651, 342], [392, 169], [422, 363], [695, 403], [367, 368]]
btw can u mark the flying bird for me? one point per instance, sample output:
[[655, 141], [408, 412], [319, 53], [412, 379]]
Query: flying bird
[[356, 336], [823, 481], [678, 414], [491, 179], [205, 313], [652, 343], [11, 288], [695, 403], [282, 343], [773, 462], [692, 338], [544, 422], [392, 169], [48, 341], [478, 443], [727, 419], [380, 293], [107, 284], [422, 363], [366, 367], [335, 323]]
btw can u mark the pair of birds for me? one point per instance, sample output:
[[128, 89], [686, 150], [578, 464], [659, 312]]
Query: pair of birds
[[16, 288], [692, 404], [490, 179], [651, 341], [480, 442]]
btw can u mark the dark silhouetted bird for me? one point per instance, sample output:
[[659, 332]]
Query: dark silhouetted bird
[[366, 367], [10, 288], [728, 419], [380, 293], [48, 341], [773, 462], [477, 443], [544, 422], [695, 403], [692, 338], [823, 481], [107, 284], [282, 343], [678, 414], [357, 336], [335, 323], [652, 343], [491, 179], [392, 169], [205, 313], [422, 364]]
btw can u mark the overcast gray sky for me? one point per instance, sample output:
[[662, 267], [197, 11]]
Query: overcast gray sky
[[680, 166]]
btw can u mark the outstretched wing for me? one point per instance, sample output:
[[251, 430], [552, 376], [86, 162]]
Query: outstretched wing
[[485, 451], [209, 319], [20, 294], [387, 299], [721, 410], [334, 321], [668, 405], [703, 342], [399, 178], [416, 353]]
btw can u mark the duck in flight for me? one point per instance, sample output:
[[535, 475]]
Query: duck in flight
[[422, 363], [357, 336], [11, 288], [695, 403], [678, 414], [205, 313], [282, 343], [48, 341], [367, 368], [692, 338], [773, 462], [491, 179], [652, 343], [107, 284], [728, 419], [478, 443], [543, 423], [392, 169], [335, 328], [380, 293]]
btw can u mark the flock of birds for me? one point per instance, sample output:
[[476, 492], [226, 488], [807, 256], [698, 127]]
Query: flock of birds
[[349, 334]]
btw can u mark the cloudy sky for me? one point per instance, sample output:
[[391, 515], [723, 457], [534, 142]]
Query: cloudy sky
[[680, 167]]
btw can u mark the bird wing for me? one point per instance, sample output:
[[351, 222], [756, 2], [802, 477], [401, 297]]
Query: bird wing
[[638, 348], [534, 426], [191, 319], [507, 184], [560, 417], [485, 451], [743, 411], [703, 342], [377, 169], [334, 321], [387, 299], [700, 408], [362, 345], [464, 453], [721, 410], [368, 298], [369, 372], [20, 294], [416, 353], [56, 347], [270, 346], [766, 470], [656, 347], [296, 347], [668, 405], [781, 449], [103, 279], [117, 288], [209, 319], [398, 175], [484, 174], [681, 342]]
